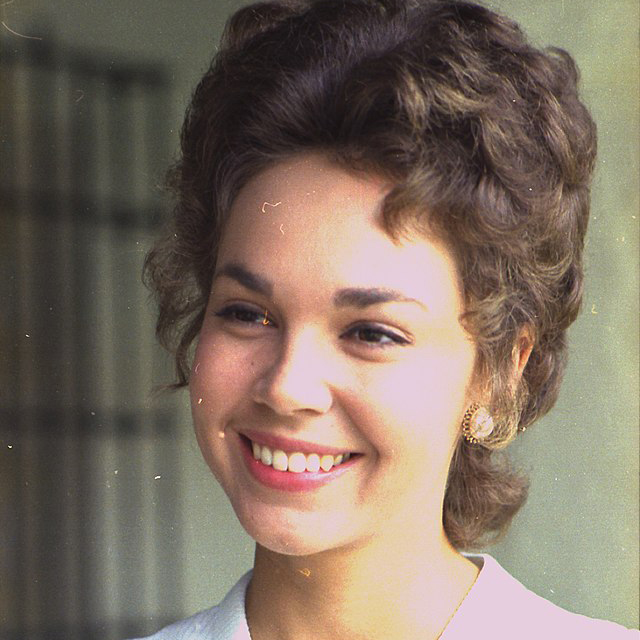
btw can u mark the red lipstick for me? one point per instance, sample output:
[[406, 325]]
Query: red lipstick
[[287, 480], [290, 445]]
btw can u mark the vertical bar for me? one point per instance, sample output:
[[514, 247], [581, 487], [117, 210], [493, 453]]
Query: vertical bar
[[55, 581], [132, 579], [30, 613], [12, 513], [83, 172], [61, 311], [169, 567]]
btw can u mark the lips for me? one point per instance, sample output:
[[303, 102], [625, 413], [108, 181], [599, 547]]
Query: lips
[[296, 461], [291, 445], [292, 465]]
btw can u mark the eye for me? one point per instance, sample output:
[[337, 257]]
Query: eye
[[376, 337], [239, 314]]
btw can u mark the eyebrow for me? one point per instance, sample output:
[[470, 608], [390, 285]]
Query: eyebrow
[[359, 297], [246, 278]]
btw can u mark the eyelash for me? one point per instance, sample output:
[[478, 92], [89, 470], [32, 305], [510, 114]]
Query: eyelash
[[229, 313], [232, 312]]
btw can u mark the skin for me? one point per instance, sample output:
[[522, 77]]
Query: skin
[[390, 381]]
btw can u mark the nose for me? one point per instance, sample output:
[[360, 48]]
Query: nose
[[296, 380]]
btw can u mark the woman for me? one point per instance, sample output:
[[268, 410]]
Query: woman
[[378, 246]]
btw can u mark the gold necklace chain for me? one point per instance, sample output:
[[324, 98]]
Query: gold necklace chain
[[459, 605]]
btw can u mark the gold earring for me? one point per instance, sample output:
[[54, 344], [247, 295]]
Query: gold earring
[[477, 424]]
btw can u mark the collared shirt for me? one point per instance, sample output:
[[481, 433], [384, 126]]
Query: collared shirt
[[497, 607]]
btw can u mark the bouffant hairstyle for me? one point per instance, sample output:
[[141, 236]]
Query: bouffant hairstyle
[[488, 148]]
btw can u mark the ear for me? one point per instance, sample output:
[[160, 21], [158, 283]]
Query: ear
[[522, 350]]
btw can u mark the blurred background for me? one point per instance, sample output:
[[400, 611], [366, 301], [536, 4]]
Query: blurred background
[[110, 524]]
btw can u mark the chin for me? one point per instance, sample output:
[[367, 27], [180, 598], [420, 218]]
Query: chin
[[293, 534], [287, 544]]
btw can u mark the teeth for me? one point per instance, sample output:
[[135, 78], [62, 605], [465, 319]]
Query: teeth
[[326, 462], [266, 456], [296, 462], [280, 460], [313, 462]]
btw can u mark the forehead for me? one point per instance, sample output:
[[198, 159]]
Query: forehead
[[308, 221], [308, 187]]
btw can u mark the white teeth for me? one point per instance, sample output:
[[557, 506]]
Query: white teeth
[[266, 456], [313, 462], [296, 462], [326, 462], [280, 460]]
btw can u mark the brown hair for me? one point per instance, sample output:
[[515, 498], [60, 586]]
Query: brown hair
[[487, 143]]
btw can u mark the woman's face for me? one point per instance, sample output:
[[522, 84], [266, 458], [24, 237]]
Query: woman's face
[[323, 336]]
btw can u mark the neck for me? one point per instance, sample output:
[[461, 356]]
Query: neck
[[378, 589]]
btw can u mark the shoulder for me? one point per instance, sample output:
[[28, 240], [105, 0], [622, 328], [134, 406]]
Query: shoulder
[[225, 621], [504, 608]]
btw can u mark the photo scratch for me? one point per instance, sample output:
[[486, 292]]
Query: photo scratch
[[20, 35], [268, 204]]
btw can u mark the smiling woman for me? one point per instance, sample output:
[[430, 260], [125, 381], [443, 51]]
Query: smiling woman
[[360, 358], [378, 246]]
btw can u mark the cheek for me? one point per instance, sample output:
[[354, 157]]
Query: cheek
[[218, 377], [418, 403], [217, 386]]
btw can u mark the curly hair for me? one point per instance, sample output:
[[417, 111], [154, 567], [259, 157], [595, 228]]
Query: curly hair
[[487, 144]]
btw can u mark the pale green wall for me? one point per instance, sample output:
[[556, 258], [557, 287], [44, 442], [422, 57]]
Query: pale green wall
[[576, 541]]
